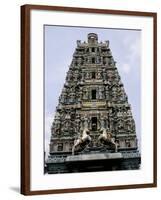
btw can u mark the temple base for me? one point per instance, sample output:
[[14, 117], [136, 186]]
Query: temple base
[[95, 162]]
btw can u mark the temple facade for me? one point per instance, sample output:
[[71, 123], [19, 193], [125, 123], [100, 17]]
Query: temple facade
[[93, 128]]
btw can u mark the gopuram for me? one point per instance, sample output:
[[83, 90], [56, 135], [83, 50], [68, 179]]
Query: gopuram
[[93, 128]]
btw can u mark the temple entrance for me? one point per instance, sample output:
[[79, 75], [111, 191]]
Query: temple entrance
[[94, 123]]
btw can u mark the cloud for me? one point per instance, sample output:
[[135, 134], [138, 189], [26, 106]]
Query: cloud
[[132, 58], [135, 50], [133, 44]]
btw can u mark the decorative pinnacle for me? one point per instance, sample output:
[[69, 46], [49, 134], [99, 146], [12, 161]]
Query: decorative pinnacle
[[92, 37]]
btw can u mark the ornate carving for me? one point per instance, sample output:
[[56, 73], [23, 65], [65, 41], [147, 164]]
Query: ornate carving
[[92, 69]]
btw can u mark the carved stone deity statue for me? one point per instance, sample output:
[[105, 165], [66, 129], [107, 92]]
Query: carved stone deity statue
[[87, 75], [101, 92], [85, 93], [99, 76], [120, 125], [102, 122], [78, 123], [85, 122]]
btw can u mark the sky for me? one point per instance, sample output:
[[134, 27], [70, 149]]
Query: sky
[[59, 46]]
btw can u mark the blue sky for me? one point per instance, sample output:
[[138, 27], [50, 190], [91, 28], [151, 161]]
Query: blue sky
[[60, 43]]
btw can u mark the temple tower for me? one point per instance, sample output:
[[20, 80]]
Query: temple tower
[[93, 98]]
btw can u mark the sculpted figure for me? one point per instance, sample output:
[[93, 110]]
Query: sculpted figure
[[56, 127], [77, 121], [82, 141], [115, 92], [85, 94], [87, 75], [70, 76], [106, 138], [99, 75], [82, 76], [130, 125], [85, 122], [102, 121], [101, 93], [120, 125]]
